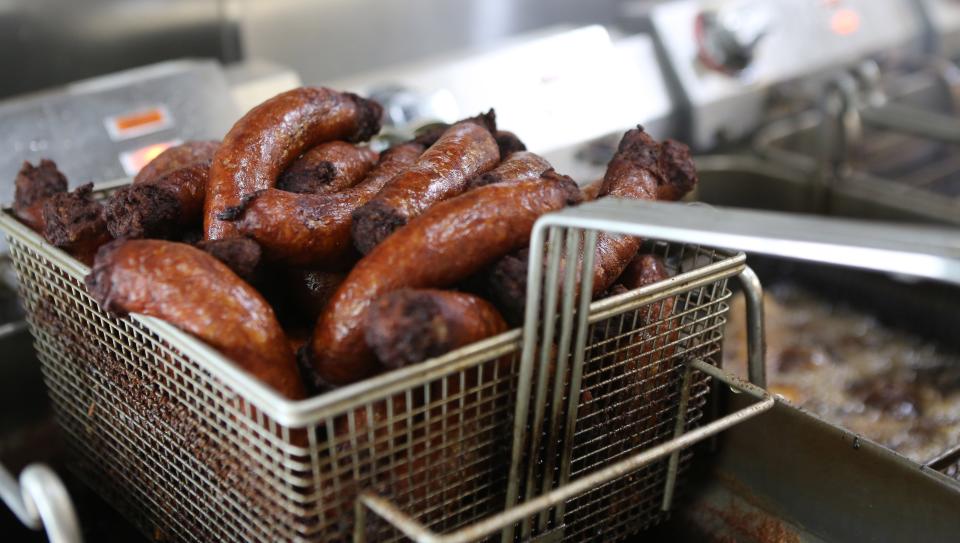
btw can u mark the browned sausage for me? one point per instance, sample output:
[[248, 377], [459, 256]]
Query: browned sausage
[[328, 167], [164, 207], [407, 326], [32, 186], [464, 151], [592, 190], [73, 221], [179, 156], [635, 172], [314, 229], [445, 245], [271, 136], [200, 295], [519, 166]]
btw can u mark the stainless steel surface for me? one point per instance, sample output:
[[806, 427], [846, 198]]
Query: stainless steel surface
[[327, 40], [891, 162], [45, 43], [41, 502], [189, 447], [805, 42], [532, 80], [918, 251], [68, 124], [422, 534], [788, 476]]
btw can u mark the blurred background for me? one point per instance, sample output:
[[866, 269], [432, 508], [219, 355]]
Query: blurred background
[[826, 107]]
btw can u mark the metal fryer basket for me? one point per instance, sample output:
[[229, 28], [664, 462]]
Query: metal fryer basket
[[190, 448]]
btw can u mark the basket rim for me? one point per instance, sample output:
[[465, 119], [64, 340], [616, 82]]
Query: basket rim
[[313, 410]]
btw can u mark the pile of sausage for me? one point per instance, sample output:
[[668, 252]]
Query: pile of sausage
[[313, 261]]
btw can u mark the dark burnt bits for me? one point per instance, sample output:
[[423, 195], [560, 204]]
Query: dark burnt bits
[[677, 166], [508, 143], [36, 183], [404, 326], [369, 119], [143, 211], [242, 255], [74, 221], [309, 179]]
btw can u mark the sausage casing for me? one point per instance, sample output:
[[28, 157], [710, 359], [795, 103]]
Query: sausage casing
[[430, 252], [465, 150], [519, 166], [411, 325], [271, 136], [314, 229], [179, 156], [196, 293], [328, 167]]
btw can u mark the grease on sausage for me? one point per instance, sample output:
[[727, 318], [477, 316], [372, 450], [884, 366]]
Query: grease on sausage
[[271, 136], [189, 153], [464, 151], [328, 167], [430, 253], [312, 230], [200, 295], [519, 166]]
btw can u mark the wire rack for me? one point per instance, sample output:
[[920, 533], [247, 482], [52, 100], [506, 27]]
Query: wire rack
[[191, 449]]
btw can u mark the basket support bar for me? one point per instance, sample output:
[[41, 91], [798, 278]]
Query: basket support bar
[[417, 531], [41, 502]]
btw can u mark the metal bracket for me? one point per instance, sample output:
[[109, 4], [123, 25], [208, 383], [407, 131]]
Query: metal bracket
[[41, 502]]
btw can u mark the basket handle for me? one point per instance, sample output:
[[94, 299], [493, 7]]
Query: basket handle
[[41, 502], [416, 531], [919, 251]]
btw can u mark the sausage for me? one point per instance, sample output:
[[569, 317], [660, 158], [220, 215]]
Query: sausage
[[32, 186], [241, 255], [519, 166], [432, 251], [508, 143], [312, 230], [328, 167], [636, 171], [73, 221], [407, 326], [592, 190], [164, 207], [464, 151], [179, 156], [197, 293], [271, 136]]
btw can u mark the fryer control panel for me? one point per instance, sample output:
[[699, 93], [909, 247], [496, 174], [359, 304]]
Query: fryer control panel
[[726, 54]]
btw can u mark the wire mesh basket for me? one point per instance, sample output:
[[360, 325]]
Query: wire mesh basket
[[192, 449]]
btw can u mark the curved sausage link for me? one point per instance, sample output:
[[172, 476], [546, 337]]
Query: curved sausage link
[[314, 229], [464, 151], [328, 167], [179, 156], [430, 252], [271, 136], [519, 166], [407, 326], [164, 207], [200, 295], [32, 186], [639, 170]]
